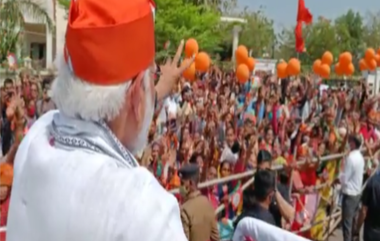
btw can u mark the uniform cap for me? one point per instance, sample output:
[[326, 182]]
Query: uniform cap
[[188, 171]]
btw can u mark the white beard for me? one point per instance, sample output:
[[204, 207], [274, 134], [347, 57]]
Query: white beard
[[142, 138]]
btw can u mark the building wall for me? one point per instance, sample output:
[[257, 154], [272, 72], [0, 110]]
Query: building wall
[[60, 29], [36, 32], [48, 5]]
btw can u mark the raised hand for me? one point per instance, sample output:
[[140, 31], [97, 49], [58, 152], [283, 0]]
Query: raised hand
[[170, 73]]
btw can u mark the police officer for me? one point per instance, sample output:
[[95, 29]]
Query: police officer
[[197, 214]]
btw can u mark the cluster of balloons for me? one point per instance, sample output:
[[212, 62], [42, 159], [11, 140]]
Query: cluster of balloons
[[292, 68], [201, 62], [245, 64], [370, 61], [321, 66], [345, 65]]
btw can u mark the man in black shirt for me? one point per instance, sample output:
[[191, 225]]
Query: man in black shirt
[[258, 203], [280, 206], [370, 210]]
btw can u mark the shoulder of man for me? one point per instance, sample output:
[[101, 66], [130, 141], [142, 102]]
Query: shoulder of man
[[149, 204]]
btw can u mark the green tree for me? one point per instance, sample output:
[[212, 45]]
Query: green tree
[[222, 6], [178, 19], [372, 30], [345, 33], [350, 32], [12, 22], [64, 3], [258, 33]]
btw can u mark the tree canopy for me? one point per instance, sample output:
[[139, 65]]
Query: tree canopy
[[180, 19]]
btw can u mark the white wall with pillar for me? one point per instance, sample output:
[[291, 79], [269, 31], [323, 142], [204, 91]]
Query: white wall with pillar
[[235, 31], [49, 49], [38, 40]]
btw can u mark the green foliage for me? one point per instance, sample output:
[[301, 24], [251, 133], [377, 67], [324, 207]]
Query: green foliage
[[64, 3], [177, 19], [258, 33], [12, 22]]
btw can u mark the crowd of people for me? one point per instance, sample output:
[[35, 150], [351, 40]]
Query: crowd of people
[[223, 128], [135, 151]]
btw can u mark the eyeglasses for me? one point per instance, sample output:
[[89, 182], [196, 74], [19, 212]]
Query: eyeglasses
[[226, 170]]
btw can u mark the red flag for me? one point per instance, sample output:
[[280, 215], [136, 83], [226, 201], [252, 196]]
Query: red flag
[[303, 16], [300, 44]]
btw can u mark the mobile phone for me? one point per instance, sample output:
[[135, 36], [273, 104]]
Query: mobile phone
[[172, 125], [9, 94], [49, 93]]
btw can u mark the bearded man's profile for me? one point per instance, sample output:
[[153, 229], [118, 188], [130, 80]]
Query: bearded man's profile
[[75, 175]]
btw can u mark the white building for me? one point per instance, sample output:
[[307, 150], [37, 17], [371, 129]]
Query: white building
[[38, 42], [373, 81]]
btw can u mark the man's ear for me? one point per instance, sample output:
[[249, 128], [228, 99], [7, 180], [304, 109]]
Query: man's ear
[[135, 96]]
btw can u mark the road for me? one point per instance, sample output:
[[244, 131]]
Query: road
[[338, 236]]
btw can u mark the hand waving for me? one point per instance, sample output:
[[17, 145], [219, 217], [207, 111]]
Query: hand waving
[[170, 73]]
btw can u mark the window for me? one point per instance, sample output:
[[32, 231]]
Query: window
[[37, 50]]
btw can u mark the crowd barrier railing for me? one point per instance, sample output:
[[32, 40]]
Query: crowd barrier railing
[[250, 174]]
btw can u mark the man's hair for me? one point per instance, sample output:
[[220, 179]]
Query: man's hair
[[354, 139], [264, 184], [8, 81], [46, 81], [195, 180], [80, 99], [194, 157], [235, 148], [263, 156]]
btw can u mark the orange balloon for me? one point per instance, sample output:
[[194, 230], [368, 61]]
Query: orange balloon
[[241, 55], [242, 73], [371, 63], [324, 70], [345, 59], [327, 58], [363, 65], [316, 66], [251, 62], [369, 54], [189, 73], [338, 69], [294, 67], [202, 62], [281, 70], [349, 69], [377, 58], [191, 47]]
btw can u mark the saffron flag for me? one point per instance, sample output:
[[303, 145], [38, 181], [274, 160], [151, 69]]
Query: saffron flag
[[303, 16]]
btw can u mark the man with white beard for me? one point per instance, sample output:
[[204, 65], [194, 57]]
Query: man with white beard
[[75, 174]]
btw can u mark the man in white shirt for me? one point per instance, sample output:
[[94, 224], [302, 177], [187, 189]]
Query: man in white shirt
[[75, 175], [351, 179]]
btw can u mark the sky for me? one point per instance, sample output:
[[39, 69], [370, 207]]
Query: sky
[[284, 12]]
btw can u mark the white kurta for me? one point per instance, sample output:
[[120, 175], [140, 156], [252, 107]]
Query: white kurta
[[258, 230], [78, 195]]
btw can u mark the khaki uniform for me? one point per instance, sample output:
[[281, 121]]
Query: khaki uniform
[[198, 219]]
